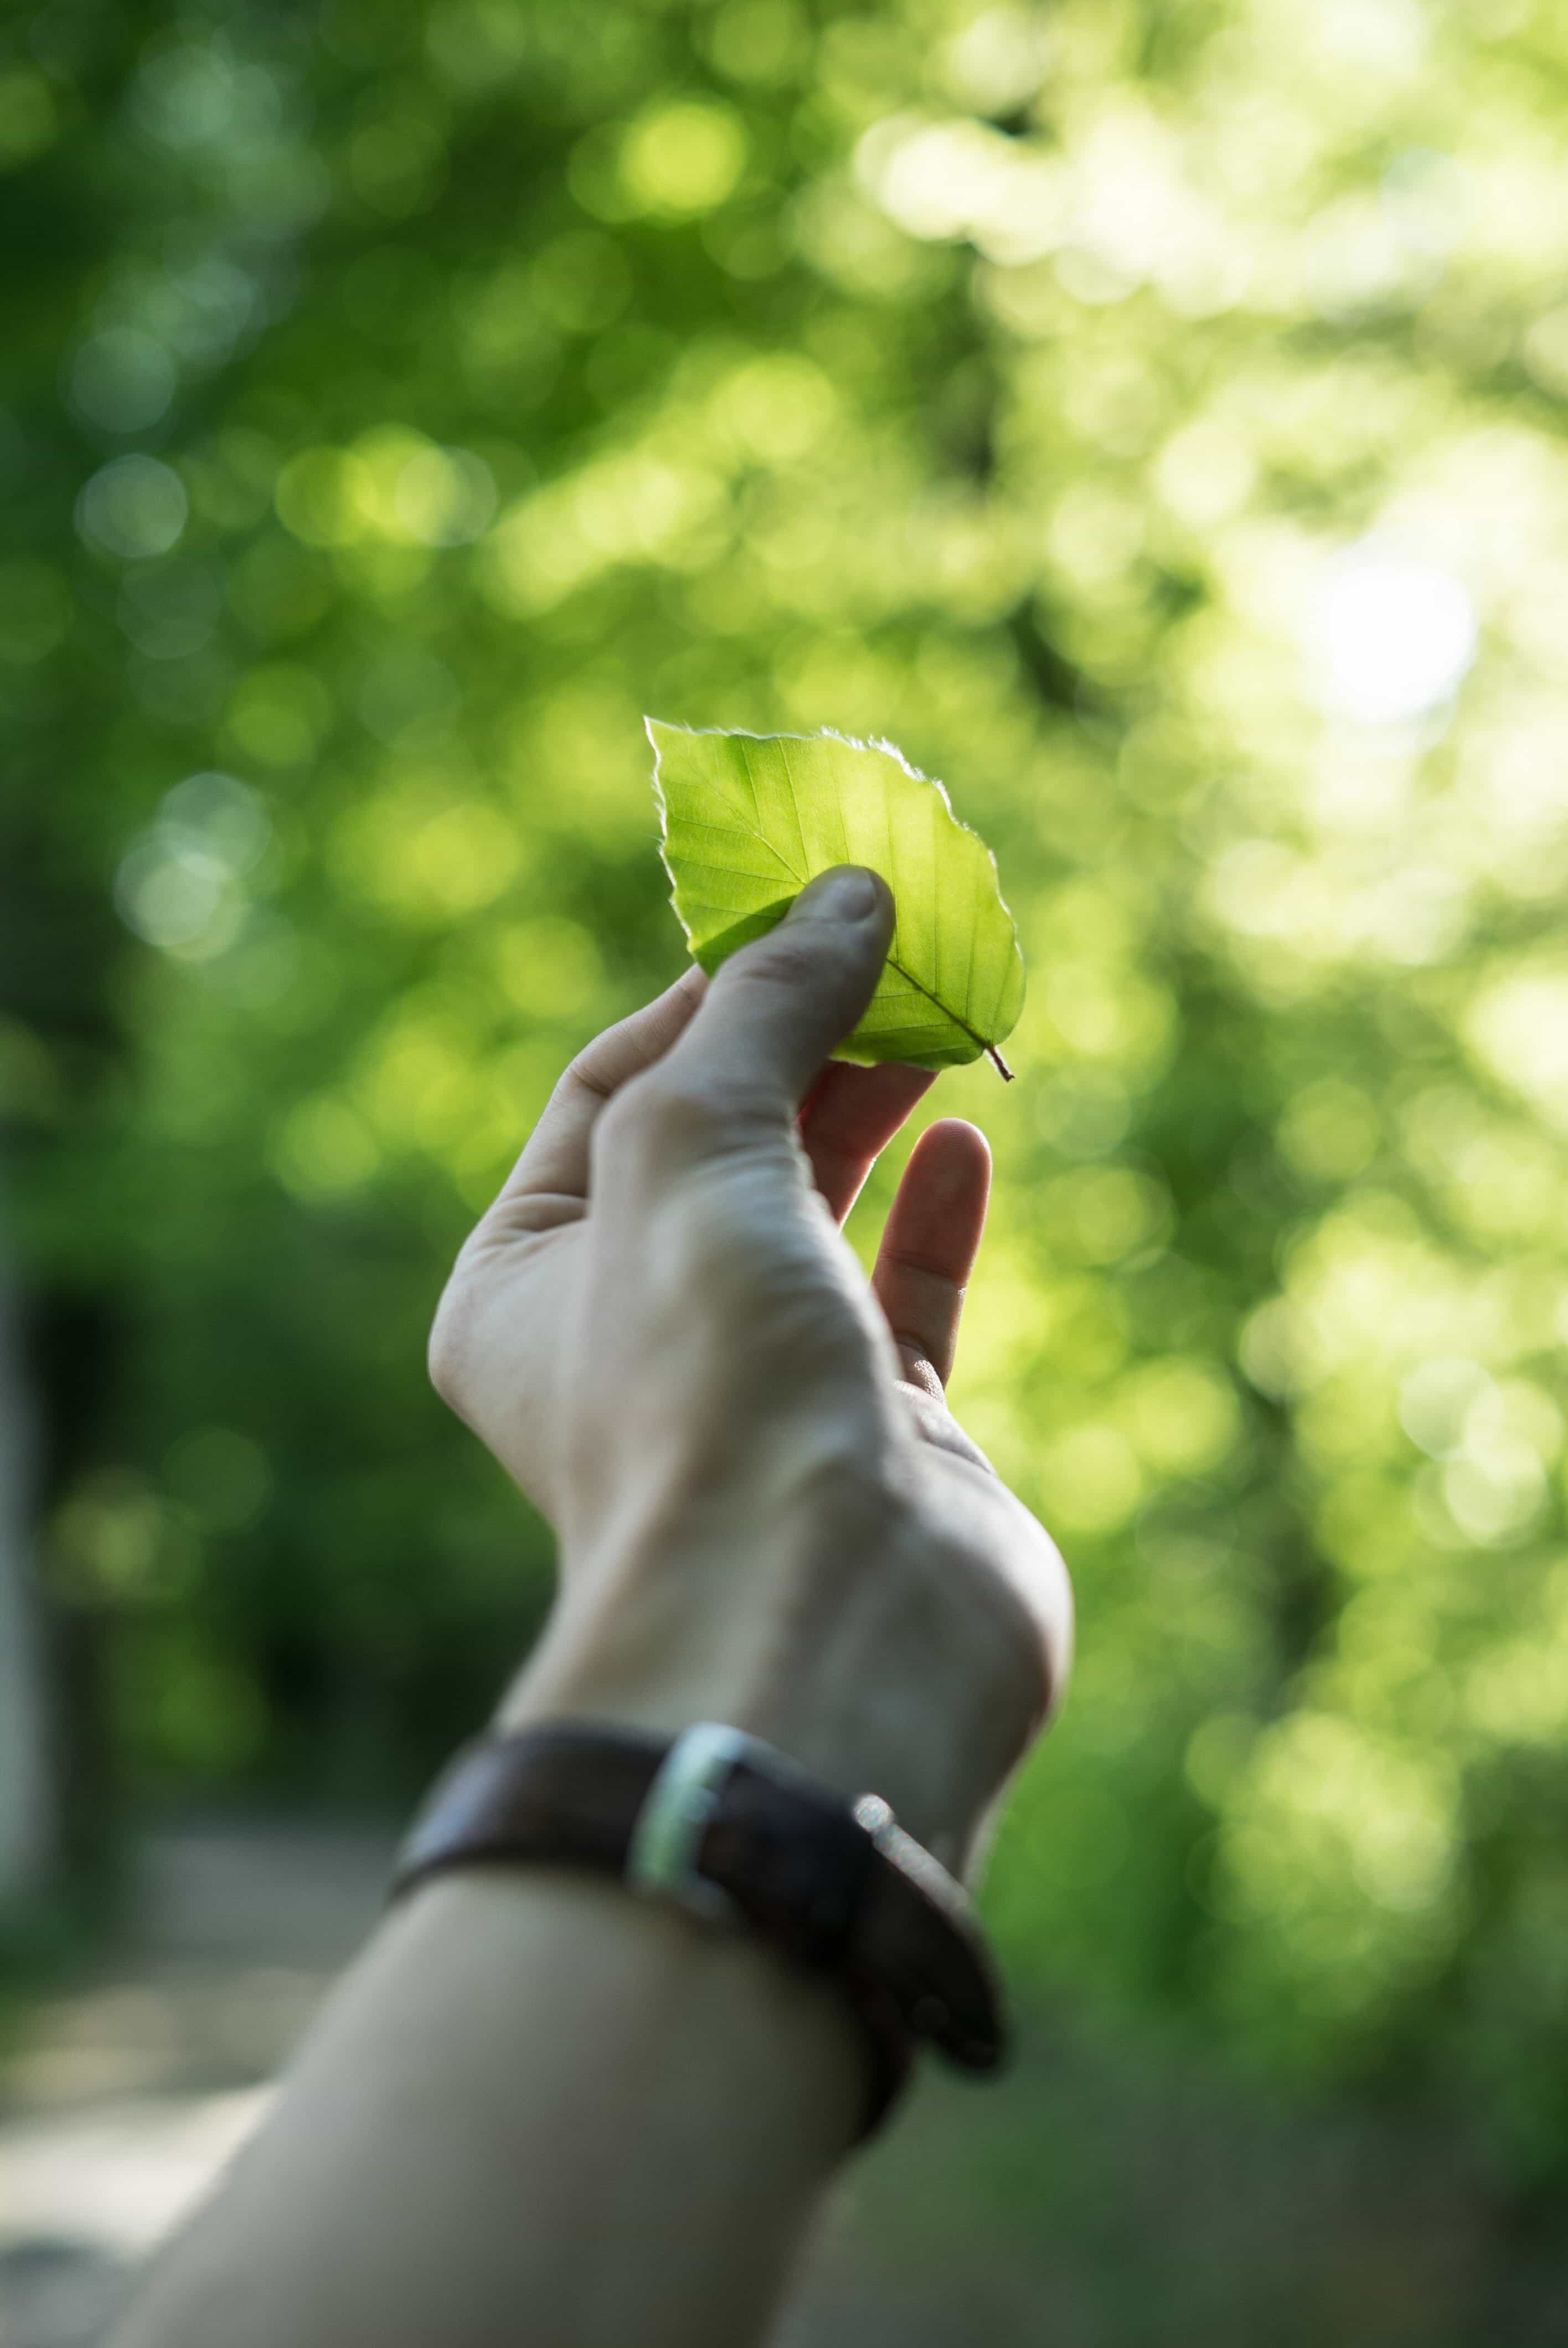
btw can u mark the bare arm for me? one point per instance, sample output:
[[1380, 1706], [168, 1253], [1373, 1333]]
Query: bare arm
[[538, 2110]]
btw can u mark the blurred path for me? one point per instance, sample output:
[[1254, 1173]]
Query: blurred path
[[1110, 2193], [127, 2095]]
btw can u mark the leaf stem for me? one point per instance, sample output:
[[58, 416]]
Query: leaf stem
[[989, 1050]]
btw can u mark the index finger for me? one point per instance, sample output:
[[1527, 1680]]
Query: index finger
[[551, 1179]]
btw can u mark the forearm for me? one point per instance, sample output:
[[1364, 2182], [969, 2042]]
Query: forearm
[[541, 2112], [537, 2111]]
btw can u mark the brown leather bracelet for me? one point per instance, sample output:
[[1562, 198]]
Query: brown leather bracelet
[[737, 1832]]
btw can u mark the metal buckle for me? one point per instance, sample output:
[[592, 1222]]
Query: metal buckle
[[661, 1858]]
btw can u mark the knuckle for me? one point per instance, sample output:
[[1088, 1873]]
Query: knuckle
[[783, 958], [582, 1072], [667, 1115], [856, 1481]]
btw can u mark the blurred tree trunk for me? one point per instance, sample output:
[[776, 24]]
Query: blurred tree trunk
[[26, 1809]]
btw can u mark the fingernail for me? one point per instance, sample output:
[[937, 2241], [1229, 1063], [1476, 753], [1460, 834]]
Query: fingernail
[[849, 893]]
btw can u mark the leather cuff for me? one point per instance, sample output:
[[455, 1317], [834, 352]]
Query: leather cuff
[[736, 1831]]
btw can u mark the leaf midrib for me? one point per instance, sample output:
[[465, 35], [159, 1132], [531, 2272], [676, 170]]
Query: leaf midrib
[[754, 831]]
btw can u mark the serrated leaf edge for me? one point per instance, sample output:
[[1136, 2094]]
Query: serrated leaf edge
[[851, 742]]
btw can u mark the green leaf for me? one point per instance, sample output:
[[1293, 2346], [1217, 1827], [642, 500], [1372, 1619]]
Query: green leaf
[[749, 818]]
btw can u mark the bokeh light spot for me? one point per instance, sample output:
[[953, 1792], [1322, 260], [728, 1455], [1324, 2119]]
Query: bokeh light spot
[[221, 1476], [121, 380], [322, 1150], [29, 118], [133, 507], [683, 158], [445, 497], [1389, 637]]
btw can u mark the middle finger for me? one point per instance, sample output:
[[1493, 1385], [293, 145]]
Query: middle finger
[[848, 1116]]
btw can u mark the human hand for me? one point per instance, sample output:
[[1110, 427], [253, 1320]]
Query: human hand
[[766, 1513]]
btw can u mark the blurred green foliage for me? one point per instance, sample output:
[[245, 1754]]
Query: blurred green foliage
[[1153, 417]]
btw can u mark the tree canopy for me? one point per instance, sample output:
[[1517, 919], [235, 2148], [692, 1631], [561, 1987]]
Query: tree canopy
[[1152, 419]]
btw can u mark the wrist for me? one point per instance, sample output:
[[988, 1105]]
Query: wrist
[[856, 1642], [723, 1825]]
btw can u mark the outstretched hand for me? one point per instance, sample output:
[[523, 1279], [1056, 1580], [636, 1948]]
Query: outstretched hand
[[766, 1512]]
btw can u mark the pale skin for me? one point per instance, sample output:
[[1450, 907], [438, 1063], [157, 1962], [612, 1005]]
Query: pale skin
[[538, 2110]]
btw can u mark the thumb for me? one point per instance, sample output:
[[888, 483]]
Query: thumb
[[775, 1010]]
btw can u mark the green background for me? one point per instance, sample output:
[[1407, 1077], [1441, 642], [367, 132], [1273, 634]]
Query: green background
[[1152, 419]]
